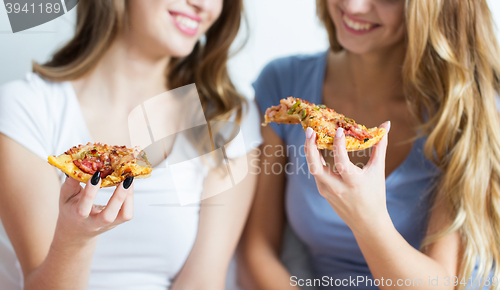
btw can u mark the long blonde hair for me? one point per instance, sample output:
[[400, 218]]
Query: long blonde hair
[[99, 22], [451, 72]]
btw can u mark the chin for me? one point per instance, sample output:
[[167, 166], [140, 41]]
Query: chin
[[180, 53], [179, 50], [356, 49]]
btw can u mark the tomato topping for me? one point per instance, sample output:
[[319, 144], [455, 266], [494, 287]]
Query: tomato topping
[[94, 162]]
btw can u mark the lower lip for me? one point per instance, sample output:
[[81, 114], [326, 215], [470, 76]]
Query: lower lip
[[186, 30], [358, 32]]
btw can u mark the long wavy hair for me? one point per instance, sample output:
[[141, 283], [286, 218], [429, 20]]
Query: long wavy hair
[[451, 73], [100, 21]]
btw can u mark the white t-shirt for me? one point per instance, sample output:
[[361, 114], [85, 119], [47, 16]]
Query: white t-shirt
[[145, 253]]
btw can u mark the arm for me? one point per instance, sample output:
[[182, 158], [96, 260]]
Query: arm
[[53, 234], [261, 241], [389, 255], [358, 197], [222, 218]]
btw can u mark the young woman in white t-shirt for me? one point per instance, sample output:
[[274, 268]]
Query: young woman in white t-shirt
[[124, 53]]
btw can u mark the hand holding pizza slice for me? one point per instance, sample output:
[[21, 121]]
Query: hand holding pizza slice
[[324, 122], [115, 163]]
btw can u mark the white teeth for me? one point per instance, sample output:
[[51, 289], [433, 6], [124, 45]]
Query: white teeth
[[189, 23], [357, 25]]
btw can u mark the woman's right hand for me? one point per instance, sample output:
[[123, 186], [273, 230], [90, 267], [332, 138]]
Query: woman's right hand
[[81, 221]]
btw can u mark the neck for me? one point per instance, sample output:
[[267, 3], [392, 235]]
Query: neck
[[124, 76], [370, 77]]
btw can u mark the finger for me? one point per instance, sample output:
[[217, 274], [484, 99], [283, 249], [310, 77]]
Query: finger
[[315, 161], [88, 195], [342, 162], [380, 149], [108, 215], [312, 153], [69, 189], [127, 210]]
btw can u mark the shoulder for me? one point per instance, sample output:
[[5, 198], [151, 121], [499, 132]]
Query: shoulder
[[31, 91], [30, 111], [296, 61], [34, 97], [30, 82], [298, 76], [288, 68], [284, 77], [16, 91], [21, 99]]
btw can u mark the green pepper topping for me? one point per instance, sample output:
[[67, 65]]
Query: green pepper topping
[[92, 153], [292, 109], [316, 108], [322, 106], [304, 115], [349, 120]]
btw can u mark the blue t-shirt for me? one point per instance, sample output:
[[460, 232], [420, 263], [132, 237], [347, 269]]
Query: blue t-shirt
[[330, 242]]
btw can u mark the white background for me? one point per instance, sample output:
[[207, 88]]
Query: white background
[[295, 30], [277, 28]]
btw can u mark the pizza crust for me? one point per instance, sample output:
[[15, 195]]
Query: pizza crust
[[130, 169], [352, 144]]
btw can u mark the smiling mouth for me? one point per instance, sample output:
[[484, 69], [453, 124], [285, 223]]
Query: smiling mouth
[[189, 23], [186, 24], [356, 25]]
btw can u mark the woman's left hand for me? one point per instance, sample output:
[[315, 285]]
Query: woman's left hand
[[357, 195]]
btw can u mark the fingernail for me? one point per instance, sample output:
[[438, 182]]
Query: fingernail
[[323, 160], [388, 126], [128, 182], [95, 178], [309, 132], [339, 132], [66, 175]]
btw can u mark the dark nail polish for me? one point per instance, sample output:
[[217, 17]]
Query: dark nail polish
[[95, 178], [66, 175], [128, 182]]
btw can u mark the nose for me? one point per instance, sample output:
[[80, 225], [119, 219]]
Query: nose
[[199, 5], [357, 6]]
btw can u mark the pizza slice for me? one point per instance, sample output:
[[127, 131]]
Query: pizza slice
[[324, 122], [115, 163]]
